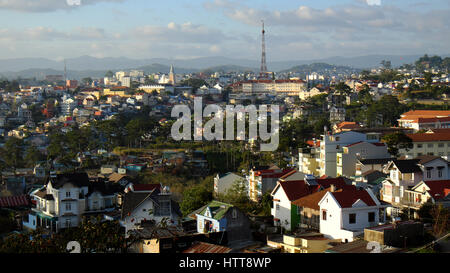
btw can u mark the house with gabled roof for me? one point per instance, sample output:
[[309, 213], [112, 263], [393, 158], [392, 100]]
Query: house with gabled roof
[[286, 191], [218, 216], [437, 191], [142, 206], [404, 175], [224, 182], [65, 198], [345, 213]]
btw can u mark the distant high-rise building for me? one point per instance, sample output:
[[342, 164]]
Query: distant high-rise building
[[126, 81]]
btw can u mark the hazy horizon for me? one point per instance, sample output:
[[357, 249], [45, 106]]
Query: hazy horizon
[[183, 29]]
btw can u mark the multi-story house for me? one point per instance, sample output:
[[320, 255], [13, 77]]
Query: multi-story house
[[67, 106], [66, 198], [434, 191], [308, 158], [345, 213], [263, 181], [433, 142], [346, 160], [331, 145], [406, 174]]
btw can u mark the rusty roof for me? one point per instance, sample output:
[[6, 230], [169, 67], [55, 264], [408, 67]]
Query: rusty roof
[[202, 247]]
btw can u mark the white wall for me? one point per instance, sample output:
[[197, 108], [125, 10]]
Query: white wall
[[337, 225], [284, 211]]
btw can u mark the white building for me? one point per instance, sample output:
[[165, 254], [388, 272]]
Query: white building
[[331, 145], [406, 174], [346, 160], [66, 198], [155, 204], [344, 214], [126, 81]]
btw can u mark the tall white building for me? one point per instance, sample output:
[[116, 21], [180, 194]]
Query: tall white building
[[126, 81], [331, 145]]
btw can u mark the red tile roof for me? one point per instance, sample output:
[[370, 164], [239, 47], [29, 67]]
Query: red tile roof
[[14, 201], [146, 187], [347, 125], [273, 173], [311, 201], [313, 143], [202, 247], [433, 120], [348, 196], [426, 137], [438, 189], [297, 189], [416, 114]]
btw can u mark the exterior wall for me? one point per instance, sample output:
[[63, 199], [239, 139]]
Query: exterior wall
[[282, 210], [436, 148], [141, 213], [308, 163], [347, 159], [295, 217], [434, 172], [332, 144], [216, 225], [337, 225]]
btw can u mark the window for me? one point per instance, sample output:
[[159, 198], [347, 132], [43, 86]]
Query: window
[[167, 246], [68, 223], [441, 145], [68, 206], [324, 215], [163, 209], [419, 145], [430, 145], [428, 173], [352, 218], [440, 172], [67, 193], [277, 207], [371, 217]]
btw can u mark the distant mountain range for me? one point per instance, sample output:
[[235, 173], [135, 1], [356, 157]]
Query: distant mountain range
[[97, 67]]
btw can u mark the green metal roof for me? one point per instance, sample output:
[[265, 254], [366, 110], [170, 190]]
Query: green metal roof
[[218, 209], [378, 181]]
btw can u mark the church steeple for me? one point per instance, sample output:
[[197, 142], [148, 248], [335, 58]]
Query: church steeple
[[172, 76]]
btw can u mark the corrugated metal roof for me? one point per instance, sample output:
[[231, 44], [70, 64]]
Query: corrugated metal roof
[[202, 247], [14, 201]]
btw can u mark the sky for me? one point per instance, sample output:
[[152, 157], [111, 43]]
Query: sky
[[183, 29]]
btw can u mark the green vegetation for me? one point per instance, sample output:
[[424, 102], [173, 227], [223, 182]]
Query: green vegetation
[[397, 141], [93, 235]]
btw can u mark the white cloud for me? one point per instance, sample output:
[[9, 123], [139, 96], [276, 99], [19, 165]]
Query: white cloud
[[374, 2], [47, 5]]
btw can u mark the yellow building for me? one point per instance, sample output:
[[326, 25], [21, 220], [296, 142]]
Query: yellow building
[[305, 243], [120, 91]]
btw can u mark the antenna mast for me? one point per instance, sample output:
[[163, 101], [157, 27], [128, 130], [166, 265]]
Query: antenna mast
[[263, 72]]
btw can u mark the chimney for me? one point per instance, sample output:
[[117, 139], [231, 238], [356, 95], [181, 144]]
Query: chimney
[[332, 188]]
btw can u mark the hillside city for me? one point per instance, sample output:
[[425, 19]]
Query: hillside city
[[363, 157]]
